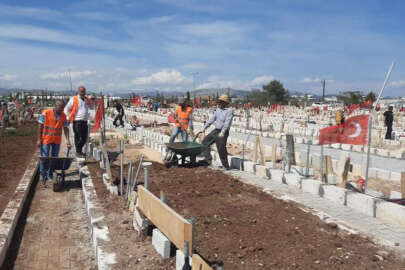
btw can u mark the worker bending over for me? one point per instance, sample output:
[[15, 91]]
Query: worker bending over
[[77, 110], [52, 121], [184, 121], [223, 119]]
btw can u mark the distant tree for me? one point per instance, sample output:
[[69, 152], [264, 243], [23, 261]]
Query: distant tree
[[188, 95], [257, 97], [274, 92], [354, 98], [370, 97]]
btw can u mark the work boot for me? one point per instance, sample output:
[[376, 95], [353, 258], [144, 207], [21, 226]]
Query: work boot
[[80, 155]]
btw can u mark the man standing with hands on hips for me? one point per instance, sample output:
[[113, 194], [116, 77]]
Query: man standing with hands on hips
[[223, 119], [77, 111]]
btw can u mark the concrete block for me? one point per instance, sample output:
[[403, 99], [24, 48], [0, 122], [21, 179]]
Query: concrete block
[[334, 193], [336, 145], [395, 195], [262, 171], [277, 176], [391, 213], [361, 203], [180, 260], [383, 174], [311, 186], [395, 176], [293, 179], [249, 166], [331, 179], [161, 243], [358, 148], [347, 147], [357, 170]]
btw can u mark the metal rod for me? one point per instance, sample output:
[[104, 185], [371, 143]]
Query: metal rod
[[146, 167], [307, 161], [322, 163], [121, 166], [370, 121], [137, 174]]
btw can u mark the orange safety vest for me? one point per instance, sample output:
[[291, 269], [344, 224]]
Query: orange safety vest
[[52, 132], [75, 107], [183, 117]]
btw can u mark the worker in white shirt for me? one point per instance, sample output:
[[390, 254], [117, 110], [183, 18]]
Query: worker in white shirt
[[77, 111]]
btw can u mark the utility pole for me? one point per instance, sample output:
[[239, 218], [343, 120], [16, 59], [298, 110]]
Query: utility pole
[[323, 90], [70, 79]]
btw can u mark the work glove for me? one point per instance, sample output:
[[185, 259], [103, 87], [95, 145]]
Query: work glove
[[221, 134]]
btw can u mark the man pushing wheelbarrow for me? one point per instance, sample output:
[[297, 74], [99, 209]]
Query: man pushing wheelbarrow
[[52, 121], [223, 119]]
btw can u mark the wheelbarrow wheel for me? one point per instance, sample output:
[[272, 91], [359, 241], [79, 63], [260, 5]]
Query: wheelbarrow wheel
[[57, 182], [170, 159]]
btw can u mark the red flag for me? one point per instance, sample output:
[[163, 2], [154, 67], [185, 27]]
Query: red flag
[[99, 115], [170, 118], [353, 131], [136, 101]]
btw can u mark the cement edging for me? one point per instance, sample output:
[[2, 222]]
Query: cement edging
[[11, 215], [99, 229]]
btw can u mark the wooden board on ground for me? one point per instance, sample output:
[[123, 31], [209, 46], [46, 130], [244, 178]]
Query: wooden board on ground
[[199, 263], [175, 227], [259, 148]]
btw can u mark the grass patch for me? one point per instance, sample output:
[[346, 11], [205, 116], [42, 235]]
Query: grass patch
[[12, 133]]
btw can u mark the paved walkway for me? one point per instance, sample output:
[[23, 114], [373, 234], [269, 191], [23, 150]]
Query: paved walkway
[[390, 236], [56, 233]]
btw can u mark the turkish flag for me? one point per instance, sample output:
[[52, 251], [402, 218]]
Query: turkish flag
[[99, 115], [353, 131]]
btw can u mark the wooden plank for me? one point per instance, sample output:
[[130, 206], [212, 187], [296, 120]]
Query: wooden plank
[[274, 153], [403, 185], [261, 148], [199, 263], [346, 171], [175, 227]]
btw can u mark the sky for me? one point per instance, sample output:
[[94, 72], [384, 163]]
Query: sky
[[121, 45]]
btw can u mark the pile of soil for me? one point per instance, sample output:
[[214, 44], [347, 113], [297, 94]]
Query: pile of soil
[[249, 229], [16, 151]]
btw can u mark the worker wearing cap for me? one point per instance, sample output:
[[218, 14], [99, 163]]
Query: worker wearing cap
[[223, 119], [77, 111], [184, 121], [52, 121]]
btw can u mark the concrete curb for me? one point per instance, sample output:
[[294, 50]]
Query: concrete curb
[[11, 214], [103, 249]]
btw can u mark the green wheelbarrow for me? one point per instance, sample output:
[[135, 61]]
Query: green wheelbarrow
[[184, 149]]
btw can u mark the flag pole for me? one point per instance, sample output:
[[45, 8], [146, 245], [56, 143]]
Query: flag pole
[[370, 122]]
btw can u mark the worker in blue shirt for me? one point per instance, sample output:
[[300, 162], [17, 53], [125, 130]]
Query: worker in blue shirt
[[223, 119]]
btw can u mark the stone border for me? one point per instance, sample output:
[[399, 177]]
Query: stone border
[[103, 249], [9, 218]]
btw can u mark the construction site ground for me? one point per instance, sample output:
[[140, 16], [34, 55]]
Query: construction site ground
[[17, 149], [247, 228], [53, 231]]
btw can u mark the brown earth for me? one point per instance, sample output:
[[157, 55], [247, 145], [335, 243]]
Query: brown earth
[[133, 251], [15, 154], [247, 228]]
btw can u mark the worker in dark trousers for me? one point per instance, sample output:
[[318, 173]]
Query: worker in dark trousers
[[120, 115], [77, 111], [389, 118], [223, 119]]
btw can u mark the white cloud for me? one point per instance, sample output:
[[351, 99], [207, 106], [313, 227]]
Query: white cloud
[[7, 77], [261, 80], [195, 66], [398, 83], [164, 77], [65, 75], [314, 80]]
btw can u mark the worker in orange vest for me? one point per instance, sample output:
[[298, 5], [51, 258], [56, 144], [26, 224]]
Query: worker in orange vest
[[77, 111], [52, 121], [184, 121]]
